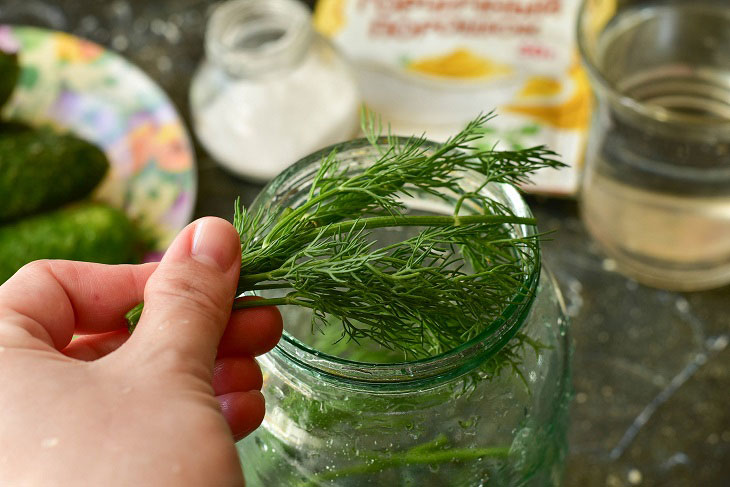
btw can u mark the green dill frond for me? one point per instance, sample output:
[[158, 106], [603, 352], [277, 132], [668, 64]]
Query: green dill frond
[[425, 295], [422, 296]]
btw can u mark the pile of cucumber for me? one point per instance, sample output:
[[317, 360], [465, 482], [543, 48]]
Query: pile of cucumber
[[45, 180]]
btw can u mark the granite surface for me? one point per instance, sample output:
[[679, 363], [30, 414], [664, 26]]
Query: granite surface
[[652, 368]]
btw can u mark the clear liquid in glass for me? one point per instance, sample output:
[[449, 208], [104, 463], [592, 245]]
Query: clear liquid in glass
[[656, 190]]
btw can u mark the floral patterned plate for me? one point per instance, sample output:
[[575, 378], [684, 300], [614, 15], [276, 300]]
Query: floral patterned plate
[[76, 85]]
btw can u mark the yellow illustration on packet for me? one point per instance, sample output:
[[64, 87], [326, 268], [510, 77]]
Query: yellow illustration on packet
[[329, 17], [541, 86], [459, 63], [572, 113]]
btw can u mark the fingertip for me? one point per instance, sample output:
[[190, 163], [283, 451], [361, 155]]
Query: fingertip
[[244, 411], [210, 240], [251, 331], [216, 242], [188, 298]]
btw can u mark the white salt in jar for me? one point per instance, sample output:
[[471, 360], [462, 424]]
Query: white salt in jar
[[270, 90]]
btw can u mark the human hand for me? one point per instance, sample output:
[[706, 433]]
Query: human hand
[[161, 407]]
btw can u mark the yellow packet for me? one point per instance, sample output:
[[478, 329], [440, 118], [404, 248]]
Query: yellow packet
[[430, 66]]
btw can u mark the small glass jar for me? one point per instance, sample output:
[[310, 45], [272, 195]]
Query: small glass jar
[[656, 186], [492, 412], [270, 90]]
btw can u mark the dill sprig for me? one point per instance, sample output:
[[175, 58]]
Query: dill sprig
[[424, 295]]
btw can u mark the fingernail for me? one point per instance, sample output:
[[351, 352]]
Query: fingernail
[[213, 243]]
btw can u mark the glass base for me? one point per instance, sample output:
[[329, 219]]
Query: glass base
[[659, 273]]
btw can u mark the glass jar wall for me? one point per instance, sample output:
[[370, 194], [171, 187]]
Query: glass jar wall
[[491, 412]]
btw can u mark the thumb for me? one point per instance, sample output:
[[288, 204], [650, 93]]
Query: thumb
[[188, 298]]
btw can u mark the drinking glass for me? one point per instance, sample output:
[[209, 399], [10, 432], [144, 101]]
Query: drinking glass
[[655, 193]]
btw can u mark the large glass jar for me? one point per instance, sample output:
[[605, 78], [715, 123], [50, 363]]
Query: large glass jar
[[491, 412], [271, 90]]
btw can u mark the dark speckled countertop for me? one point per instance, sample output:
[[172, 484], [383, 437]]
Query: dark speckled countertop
[[652, 368]]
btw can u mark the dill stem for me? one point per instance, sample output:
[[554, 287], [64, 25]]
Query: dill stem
[[273, 285], [240, 303], [295, 214], [417, 221], [424, 221], [247, 282]]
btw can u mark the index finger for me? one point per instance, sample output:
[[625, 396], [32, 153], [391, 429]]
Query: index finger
[[53, 299]]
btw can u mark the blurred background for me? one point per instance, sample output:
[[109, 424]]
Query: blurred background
[[651, 367]]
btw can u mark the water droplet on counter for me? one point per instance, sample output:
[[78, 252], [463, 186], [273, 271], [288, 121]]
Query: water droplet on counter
[[678, 458], [120, 42], [609, 265], [635, 476], [89, 23], [682, 305], [718, 344], [121, 9]]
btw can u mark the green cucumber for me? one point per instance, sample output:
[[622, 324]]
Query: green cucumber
[[9, 73], [13, 127], [42, 170], [89, 232]]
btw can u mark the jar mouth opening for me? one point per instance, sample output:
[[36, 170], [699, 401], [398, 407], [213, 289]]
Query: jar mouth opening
[[248, 37], [693, 110], [453, 362], [506, 326]]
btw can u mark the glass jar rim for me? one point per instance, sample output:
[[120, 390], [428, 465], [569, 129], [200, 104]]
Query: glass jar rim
[[452, 363], [654, 112], [293, 20]]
